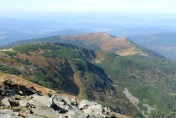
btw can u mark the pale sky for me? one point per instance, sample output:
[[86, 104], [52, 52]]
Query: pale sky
[[42, 6]]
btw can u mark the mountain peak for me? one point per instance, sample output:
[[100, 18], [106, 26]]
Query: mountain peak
[[91, 34], [101, 33]]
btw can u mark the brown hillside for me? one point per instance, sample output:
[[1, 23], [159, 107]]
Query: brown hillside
[[104, 41]]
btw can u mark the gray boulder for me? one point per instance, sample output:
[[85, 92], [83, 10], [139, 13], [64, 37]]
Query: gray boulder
[[47, 101], [33, 116], [73, 101], [4, 115], [85, 103], [66, 99], [34, 103], [8, 113], [14, 103], [23, 103], [45, 111], [57, 99], [73, 114], [6, 102], [94, 110]]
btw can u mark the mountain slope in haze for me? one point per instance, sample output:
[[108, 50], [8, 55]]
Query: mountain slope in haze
[[13, 30], [141, 30], [162, 43], [9, 36], [96, 41], [99, 75]]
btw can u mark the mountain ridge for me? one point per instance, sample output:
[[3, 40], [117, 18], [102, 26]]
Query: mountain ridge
[[98, 41]]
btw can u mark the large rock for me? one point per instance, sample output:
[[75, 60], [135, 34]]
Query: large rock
[[43, 99], [66, 99], [8, 113], [59, 104], [94, 110], [6, 102], [46, 112], [57, 99], [35, 103], [23, 103], [73, 114], [74, 101], [66, 107], [14, 103], [86, 103], [4, 115]]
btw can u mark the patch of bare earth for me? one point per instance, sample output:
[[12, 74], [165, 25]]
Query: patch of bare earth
[[130, 51], [99, 57]]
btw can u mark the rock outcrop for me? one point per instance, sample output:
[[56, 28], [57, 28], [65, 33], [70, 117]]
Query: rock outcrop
[[20, 101]]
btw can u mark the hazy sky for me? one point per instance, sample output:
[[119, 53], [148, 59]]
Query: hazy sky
[[43, 6]]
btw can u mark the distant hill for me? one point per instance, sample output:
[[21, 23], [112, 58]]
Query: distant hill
[[163, 43], [102, 74], [140, 30], [8, 36]]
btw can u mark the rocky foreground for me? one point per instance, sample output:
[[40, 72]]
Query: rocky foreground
[[24, 101]]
